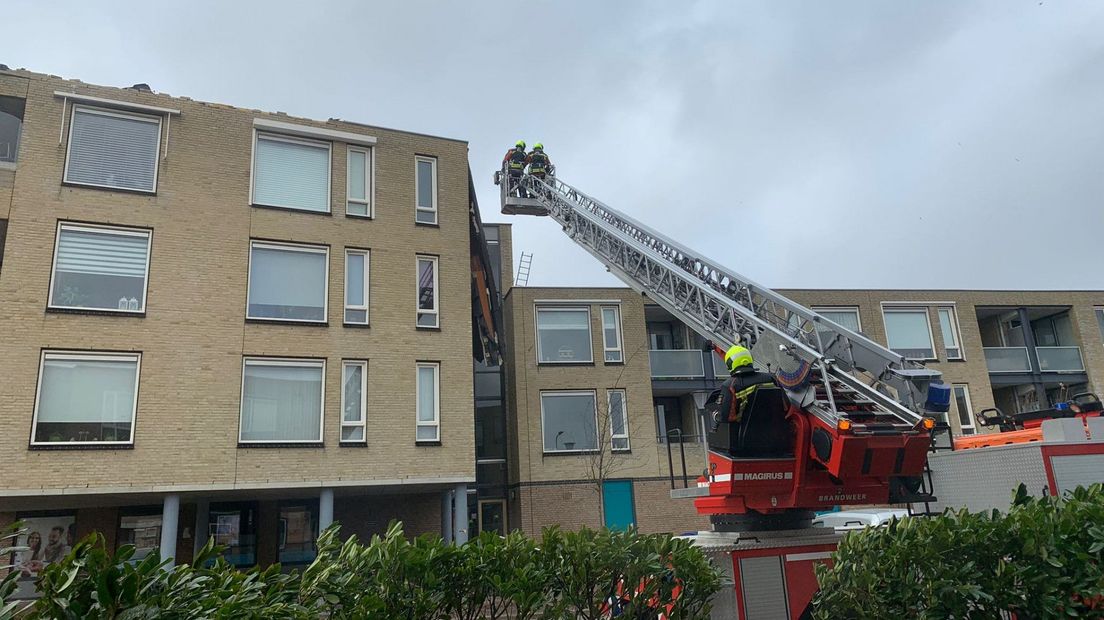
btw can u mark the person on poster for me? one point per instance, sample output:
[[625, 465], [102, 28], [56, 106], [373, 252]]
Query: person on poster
[[30, 561], [56, 549]]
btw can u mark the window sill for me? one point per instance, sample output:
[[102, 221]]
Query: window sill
[[621, 363], [292, 209], [278, 444], [287, 322], [105, 188], [425, 328], [427, 224], [357, 325], [95, 312], [355, 216], [8, 165], [353, 444], [565, 363], [81, 446], [570, 452], [427, 444]]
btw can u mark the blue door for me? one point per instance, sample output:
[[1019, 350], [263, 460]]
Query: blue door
[[617, 499]]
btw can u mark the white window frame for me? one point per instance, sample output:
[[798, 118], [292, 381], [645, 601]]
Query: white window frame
[[367, 254], [853, 309], [417, 208], [149, 118], [436, 422], [297, 247], [363, 423], [954, 330], [624, 413], [886, 308], [134, 232], [590, 335], [1098, 312], [971, 428], [593, 394], [620, 348], [92, 356], [278, 137], [284, 361], [436, 310], [369, 182]]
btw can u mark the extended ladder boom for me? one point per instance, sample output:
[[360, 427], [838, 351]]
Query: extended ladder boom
[[727, 308]]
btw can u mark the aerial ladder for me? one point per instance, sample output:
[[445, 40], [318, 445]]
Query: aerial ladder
[[850, 421]]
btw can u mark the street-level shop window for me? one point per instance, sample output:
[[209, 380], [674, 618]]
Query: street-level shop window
[[428, 305], [292, 173], [425, 199], [354, 408], [611, 334], [234, 527], [428, 402], [140, 527], [11, 126], [86, 398], [563, 335], [288, 282], [113, 149], [44, 538], [356, 287], [298, 531], [569, 421], [618, 420], [282, 400], [358, 200], [100, 268], [908, 332]]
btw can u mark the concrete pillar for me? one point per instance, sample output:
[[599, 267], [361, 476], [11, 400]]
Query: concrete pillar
[[460, 514], [202, 531], [446, 516], [325, 509], [170, 520]]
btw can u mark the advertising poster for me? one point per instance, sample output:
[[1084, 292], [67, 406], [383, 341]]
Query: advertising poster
[[48, 539]]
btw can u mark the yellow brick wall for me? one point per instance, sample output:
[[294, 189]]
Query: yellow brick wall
[[194, 334]]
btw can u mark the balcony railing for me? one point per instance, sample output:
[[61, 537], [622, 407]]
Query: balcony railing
[[1060, 359], [1007, 359], [676, 363]]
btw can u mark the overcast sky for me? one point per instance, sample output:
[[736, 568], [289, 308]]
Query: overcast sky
[[812, 144]]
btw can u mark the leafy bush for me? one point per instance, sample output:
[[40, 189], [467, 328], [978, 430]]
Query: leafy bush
[[1040, 560], [566, 575]]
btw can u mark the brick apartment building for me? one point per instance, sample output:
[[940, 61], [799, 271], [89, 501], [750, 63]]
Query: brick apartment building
[[221, 321], [231, 323], [603, 370]]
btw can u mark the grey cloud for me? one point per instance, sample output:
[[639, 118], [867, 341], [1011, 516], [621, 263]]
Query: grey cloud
[[841, 144]]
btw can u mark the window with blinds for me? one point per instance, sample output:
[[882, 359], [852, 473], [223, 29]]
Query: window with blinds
[[100, 268], [292, 173], [86, 398], [113, 149], [287, 282], [282, 400]]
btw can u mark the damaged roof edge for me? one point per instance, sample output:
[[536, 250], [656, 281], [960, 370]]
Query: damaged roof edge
[[28, 74]]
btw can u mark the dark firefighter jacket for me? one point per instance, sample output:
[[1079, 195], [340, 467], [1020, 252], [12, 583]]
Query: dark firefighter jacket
[[737, 390], [538, 163], [515, 160]]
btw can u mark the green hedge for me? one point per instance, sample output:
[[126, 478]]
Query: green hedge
[[562, 575], [1041, 559]]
